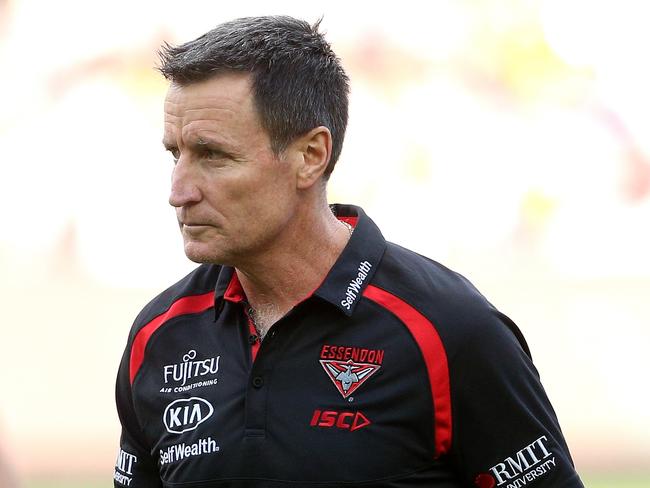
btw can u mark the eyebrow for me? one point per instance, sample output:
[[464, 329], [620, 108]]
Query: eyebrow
[[199, 142]]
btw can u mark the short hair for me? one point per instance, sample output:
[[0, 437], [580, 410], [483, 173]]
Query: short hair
[[298, 81]]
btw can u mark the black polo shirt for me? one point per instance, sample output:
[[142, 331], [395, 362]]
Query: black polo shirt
[[394, 372]]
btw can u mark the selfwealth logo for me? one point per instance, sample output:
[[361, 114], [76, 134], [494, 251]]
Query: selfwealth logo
[[179, 452], [350, 367], [355, 285]]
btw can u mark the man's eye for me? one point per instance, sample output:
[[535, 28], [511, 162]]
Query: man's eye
[[214, 154]]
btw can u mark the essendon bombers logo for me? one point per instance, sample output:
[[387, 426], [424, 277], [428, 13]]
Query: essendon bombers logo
[[350, 367], [348, 376]]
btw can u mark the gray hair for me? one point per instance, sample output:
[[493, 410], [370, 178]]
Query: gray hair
[[298, 81]]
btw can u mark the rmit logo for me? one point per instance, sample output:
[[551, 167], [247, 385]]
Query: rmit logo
[[125, 462], [530, 456], [342, 420], [186, 414]]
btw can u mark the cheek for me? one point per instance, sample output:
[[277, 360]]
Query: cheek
[[274, 193], [275, 214], [259, 197]]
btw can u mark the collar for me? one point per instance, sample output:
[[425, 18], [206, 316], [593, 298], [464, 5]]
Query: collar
[[344, 283]]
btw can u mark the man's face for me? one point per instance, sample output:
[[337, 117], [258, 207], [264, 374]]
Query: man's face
[[233, 197]]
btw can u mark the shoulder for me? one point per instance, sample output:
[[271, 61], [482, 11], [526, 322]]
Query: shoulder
[[200, 282], [426, 284], [458, 311]]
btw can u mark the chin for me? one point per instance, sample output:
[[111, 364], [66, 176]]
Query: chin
[[201, 253]]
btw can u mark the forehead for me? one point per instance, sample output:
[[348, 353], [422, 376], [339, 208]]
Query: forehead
[[223, 102]]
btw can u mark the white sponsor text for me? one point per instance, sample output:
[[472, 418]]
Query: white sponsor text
[[527, 464], [189, 368], [124, 467], [186, 414], [355, 285], [178, 452]]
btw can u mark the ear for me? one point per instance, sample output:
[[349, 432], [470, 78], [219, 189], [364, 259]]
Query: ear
[[315, 149]]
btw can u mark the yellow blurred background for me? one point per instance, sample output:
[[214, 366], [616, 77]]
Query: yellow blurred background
[[508, 139]]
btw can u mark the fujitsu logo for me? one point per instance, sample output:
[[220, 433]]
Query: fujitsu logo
[[186, 414], [531, 462], [354, 287], [189, 368]]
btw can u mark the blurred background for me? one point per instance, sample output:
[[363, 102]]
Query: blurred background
[[508, 139]]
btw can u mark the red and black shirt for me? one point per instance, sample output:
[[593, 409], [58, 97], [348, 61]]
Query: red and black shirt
[[395, 372]]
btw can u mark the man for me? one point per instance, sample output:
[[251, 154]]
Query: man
[[306, 350]]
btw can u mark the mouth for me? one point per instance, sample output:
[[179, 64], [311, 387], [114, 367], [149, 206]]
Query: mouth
[[195, 227], [193, 223], [195, 231]]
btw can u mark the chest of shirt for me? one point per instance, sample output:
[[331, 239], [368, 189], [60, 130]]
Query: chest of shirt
[[326, 397]]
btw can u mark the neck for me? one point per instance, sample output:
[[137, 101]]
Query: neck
[[296, 263]]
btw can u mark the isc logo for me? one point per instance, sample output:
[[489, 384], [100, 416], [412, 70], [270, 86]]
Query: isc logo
[[343, 420], [186, 414]]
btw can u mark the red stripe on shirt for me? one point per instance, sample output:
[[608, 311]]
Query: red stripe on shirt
[[435, 359], [255, 346], [350, 220], [235, 293], [182, 306]]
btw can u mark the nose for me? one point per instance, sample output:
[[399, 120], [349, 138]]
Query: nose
[[184, 189]]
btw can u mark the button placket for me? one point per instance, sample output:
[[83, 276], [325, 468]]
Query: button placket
[[256, 398], [259, 381]]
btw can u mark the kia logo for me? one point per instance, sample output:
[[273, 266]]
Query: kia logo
[[186, 414]]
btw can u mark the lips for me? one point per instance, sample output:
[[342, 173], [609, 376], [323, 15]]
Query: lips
[[194, 230], [195, 226], [195, 223]]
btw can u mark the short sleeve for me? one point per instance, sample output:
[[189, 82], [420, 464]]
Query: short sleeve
[[134, 467], [506, 433]]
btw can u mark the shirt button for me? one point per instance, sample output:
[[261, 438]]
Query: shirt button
[[252, 339], [258, 381]]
